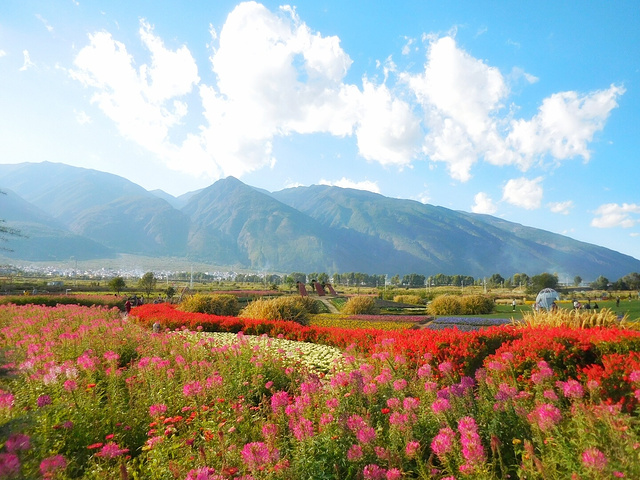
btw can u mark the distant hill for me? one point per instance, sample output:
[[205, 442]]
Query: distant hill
[[316, 228]]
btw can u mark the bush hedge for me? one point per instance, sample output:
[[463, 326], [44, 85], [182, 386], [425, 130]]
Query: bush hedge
[[220, 304]]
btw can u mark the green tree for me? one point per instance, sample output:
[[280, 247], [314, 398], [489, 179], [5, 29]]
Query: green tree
[[170, 292], [495, 280], [577, 280], [544, 280], [521, 280], [601, 283], [117, 284], [395, 280], [147, 283]]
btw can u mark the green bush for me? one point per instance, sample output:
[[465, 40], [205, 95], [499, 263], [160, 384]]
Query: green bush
[[221, 304], [360, 306], [445, 305], [296, 309], [410, 299], [476, 305]]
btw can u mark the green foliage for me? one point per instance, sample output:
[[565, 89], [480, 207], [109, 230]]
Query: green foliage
[[360, 306], [117, 284], [296, 309], [544, 280], [222, 304], [445, 305], [476, 305], [411, 299], [170, 292]]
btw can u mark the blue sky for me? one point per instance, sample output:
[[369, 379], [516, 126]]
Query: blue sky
[[528, 111]]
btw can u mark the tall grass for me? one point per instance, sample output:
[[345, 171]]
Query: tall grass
[[577, 319]]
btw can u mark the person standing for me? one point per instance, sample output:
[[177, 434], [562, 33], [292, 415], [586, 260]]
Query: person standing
[[513, 304], [127, 306]]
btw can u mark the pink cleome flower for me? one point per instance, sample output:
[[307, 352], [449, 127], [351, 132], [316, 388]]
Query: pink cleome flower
[[442, 443], [546, 416], [594, 459], [111, 450], [52, 464]]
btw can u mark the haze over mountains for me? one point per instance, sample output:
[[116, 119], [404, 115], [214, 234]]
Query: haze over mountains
[[68, 211]]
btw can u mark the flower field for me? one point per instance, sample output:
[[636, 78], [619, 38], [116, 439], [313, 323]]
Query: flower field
[[85, 393]]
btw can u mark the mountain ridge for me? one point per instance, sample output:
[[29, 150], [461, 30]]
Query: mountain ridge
[[314, 228]]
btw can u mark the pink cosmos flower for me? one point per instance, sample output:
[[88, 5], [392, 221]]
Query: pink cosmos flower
[[18, 441], [373, 472], [52, 464], [279, 399], [257, 454], [393, 474], [354, 453], [546, 416], [400, 384], [9, 465], [366, 434], [440, 405], [412, 448], [594, 459], [442, 443], [111, 450], [157, 410]]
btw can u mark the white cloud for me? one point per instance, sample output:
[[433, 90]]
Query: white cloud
[[612, 215], [484, 204], [142, 102], [563, 127], [524, 193], [563, 208], [82, 118], [459, 95], [346, 183], [274, 77], [27, 61], [44, 22], [423, 197], [2, 53]]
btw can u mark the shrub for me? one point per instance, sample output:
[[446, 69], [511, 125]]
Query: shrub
[[360, 306], [223, 304], [476, 305], [411, 299], [445, 305], [296, 309]]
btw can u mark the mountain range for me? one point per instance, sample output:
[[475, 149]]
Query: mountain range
[[66, 211]]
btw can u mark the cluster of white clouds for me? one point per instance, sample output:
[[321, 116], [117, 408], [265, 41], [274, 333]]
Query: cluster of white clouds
[[277, 77]]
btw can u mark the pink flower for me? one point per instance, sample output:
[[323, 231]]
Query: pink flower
[[440, 405], [394, 474], [410, 403], [279, 399], [543, 373], [373, 472], [192, 389], [302, 429], [594, 459], [546, 416], [571, 389], [111, 450], [52, 464], [472, 449], [203, 473], [111, 356], [366, 434], [18, 441], [635, 376], [70, 385], [400, 384], [257, 454], [87, 361], [9, 465], [412, 448], [442, 443], [445, 367], [6, 400], [269, 430], [354, 453], [43, 400], [424, 371], [393, 403], [157, 409]]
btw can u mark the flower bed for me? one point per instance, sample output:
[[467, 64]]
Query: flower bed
[[92, 395]]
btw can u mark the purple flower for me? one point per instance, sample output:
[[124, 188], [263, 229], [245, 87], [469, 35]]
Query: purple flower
[[9, 465], [44, 400]]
